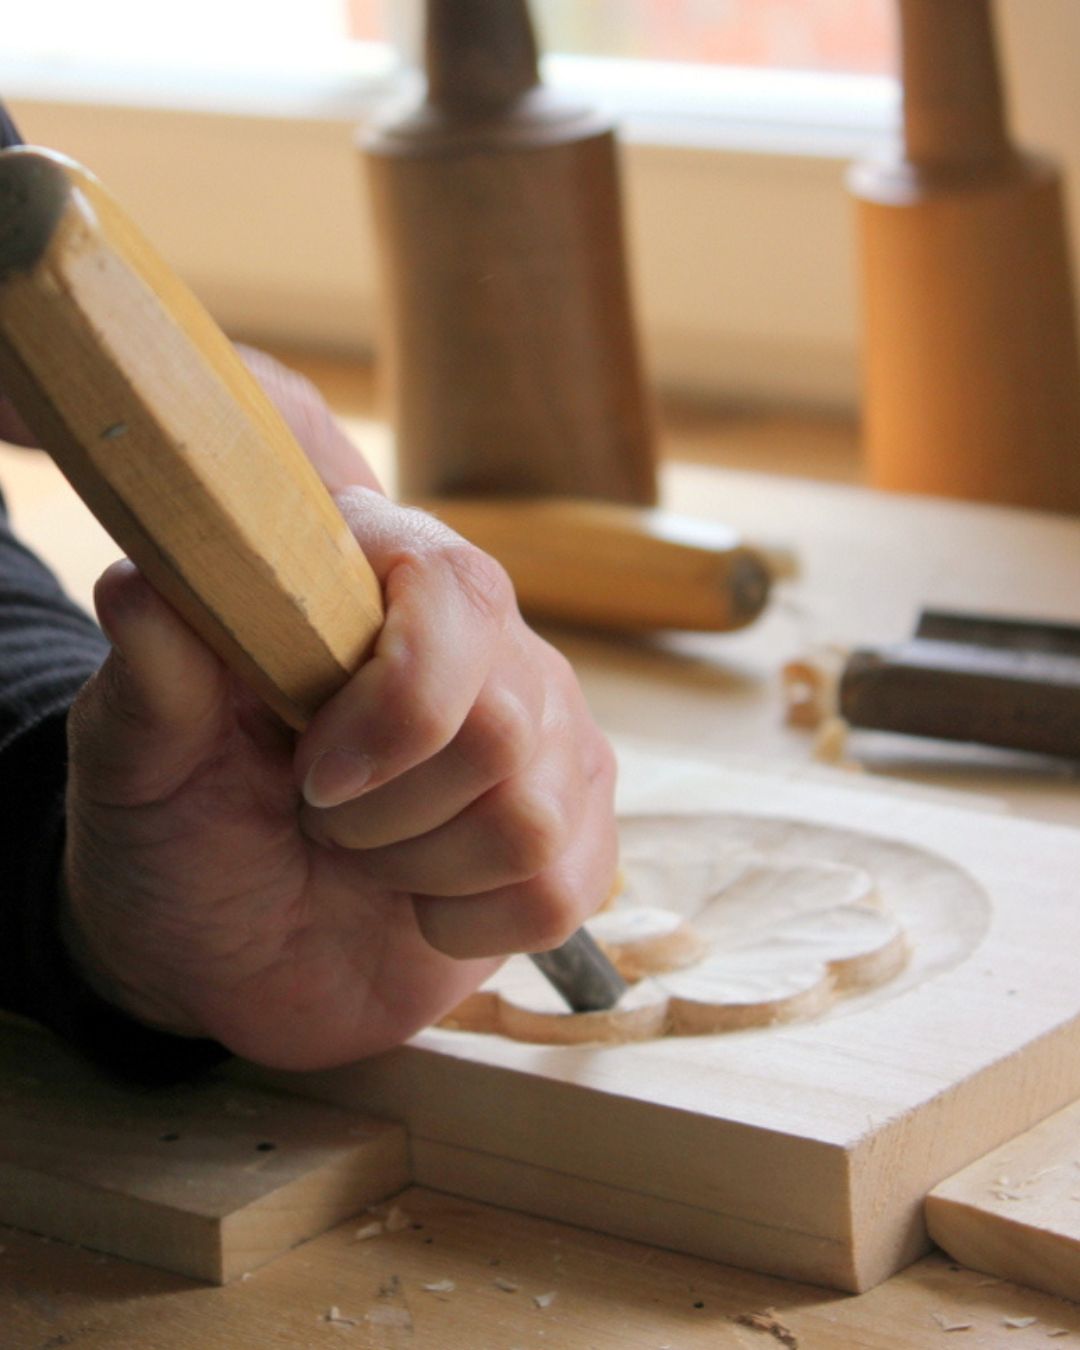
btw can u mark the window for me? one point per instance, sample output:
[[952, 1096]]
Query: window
[[227, 128], [855, 36]]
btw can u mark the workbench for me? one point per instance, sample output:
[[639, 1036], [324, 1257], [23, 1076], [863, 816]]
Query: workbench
[[459, 1273]]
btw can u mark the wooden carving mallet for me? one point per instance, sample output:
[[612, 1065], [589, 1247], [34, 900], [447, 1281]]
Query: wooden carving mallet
[[170, 441]]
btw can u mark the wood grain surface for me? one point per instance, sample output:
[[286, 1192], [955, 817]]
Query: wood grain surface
[[803, 1149], [1016, 1212], [509, 331], [971, 354], [461, 1276], [204, 1179]]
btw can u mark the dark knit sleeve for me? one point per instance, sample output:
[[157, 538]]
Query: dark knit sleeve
[[48, 648]]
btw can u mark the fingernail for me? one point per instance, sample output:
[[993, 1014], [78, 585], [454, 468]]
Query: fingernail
[[336, 776]]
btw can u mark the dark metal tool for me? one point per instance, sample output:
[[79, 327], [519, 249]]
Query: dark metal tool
[[1013, 683]]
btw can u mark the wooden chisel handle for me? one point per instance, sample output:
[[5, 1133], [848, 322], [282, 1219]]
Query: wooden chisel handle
[[171, 442], [613, 566]]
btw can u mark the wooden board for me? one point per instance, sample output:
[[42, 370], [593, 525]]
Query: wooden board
[[806, 1149], [209, 1179], [1016, 1212]]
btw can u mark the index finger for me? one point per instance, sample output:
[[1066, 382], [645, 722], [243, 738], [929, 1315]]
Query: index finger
[[447, 610]]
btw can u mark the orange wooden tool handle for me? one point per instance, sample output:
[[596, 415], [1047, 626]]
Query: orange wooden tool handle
[[614, 566], [164, 433]]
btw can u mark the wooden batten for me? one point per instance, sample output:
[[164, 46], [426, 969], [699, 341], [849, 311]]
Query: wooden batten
[[207, 1179]]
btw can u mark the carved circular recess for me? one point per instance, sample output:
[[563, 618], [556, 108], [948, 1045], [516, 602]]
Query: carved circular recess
[[728, 923]]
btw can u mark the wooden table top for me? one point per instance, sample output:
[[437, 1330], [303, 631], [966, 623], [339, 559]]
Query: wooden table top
[[868, 563]]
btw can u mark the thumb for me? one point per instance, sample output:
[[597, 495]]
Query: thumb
[[158, 706]]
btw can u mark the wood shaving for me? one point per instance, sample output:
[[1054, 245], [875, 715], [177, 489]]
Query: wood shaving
[[1017, 1322], [338, 1318], [507, 1286], [368, 1230], [396, 1220], [809, 688], [439, 1287], [544, 1300], [947, 1323], [831, 745], [768, 1322]]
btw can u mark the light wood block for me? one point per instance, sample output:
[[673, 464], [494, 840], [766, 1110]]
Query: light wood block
[[1016, 1212], [208, 1180], [806, 1149]]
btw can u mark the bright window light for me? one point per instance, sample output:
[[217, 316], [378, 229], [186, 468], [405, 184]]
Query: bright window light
[[212, 32], [805, 76], [849, 36]]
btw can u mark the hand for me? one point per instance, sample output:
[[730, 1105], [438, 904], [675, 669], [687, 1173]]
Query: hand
[[458, 804]]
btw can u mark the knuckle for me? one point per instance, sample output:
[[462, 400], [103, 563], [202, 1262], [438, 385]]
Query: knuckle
[[498, 738], [548, 913], [104, 700], [420, 730], [601, 766], [482, 580], [534, 833], [414, 719]]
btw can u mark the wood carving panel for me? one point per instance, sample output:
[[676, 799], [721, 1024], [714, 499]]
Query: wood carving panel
[[805, 1147], [722, 924]]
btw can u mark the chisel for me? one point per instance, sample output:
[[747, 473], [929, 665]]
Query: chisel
[[144, 405]]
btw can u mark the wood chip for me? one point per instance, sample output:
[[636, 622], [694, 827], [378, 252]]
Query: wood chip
[[396, 1220], [947, 1323], [439, 1287], [369, 1230], [1017, 1322], [768, 1322], [507, 1286], [336, 1316], [1058, 1331], [544, 1300]]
